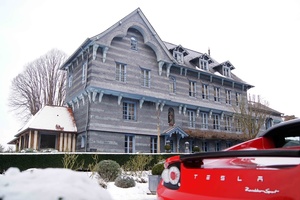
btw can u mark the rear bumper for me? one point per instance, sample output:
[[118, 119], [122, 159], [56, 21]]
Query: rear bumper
[[167, 194], [164, 193]]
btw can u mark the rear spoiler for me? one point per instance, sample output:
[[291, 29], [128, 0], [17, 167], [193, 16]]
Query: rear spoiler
[[241, 153]]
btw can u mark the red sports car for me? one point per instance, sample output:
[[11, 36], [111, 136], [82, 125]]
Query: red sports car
[[267, 167]]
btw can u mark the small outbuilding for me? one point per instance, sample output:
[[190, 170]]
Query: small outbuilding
[[53, 127]]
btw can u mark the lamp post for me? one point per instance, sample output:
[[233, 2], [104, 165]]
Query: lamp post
[[186, 144]]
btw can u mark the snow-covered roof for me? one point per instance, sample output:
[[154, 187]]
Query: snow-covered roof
[[53, 118]]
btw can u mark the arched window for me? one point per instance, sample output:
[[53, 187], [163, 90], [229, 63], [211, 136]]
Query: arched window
[[171, 117], [133, 43], [172, 85]]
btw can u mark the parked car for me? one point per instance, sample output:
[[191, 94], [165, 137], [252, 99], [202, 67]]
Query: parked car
[[266, 167]]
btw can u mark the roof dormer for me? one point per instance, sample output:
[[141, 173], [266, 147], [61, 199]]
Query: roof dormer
[[202, 62], [179, 53], [224, 68]]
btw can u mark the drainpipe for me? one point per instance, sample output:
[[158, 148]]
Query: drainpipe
[[86, 125], [88, 103]]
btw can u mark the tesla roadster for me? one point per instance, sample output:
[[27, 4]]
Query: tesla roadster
[[266, 167]]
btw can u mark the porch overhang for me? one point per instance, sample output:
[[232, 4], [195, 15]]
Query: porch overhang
[[175, 130]]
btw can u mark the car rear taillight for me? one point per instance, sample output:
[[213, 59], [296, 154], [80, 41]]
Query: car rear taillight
[[171, 177]]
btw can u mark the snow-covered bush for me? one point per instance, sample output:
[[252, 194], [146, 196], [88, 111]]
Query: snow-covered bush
[[124, 182], [109, 170], [29, 150], [49, 150]]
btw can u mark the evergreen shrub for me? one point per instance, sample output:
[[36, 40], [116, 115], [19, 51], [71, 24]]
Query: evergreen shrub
[[158, 168], [109, 170], [124, 182], [196, 149]]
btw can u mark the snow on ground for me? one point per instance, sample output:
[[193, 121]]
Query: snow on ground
[[139, 192], [64, 184]]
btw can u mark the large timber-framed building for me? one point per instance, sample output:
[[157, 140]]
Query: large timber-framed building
[[127, 87]]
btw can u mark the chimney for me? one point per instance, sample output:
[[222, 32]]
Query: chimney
[[208, 51]]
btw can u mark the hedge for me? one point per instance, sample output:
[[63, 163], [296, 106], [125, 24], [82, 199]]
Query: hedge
[[25, 161]]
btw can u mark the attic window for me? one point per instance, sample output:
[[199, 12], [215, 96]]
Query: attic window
[[178, 56], [133, 43], [226, 71], [203, 64]]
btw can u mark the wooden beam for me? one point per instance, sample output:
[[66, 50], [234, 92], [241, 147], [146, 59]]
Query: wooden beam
[[160, 65], [104, 52], [168, 69], [95, 48]]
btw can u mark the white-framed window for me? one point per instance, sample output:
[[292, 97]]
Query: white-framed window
[[70, 80], [133, 43], [178, 56], [204, 120], [217, 94], [129, 144], [228, 97], [153, 144], [129, 111], [228, 120], [172, 85], [121, 72], [216, 121], [204, 91], [191, 115], [237, 98], [84, 72], [145, 76], [192, 88], [226, 71], [203, 64], [238, 125]]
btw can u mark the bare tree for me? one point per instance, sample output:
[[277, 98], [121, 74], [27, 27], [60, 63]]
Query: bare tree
[[251, 115], [41, 83], [1, 148]]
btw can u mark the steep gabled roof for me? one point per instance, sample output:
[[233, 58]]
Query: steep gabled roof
[[163, 50], [51, 118], [137, 20]]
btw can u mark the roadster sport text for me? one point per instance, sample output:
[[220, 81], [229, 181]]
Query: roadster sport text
[[267, 167]]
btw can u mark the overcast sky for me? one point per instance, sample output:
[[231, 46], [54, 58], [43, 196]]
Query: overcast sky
[[261, 38]]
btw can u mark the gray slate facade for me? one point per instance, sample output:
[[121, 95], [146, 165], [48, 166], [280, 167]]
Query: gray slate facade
[[127, 88]]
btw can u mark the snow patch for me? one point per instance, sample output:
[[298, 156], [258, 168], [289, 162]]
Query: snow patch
[[65, 184]]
